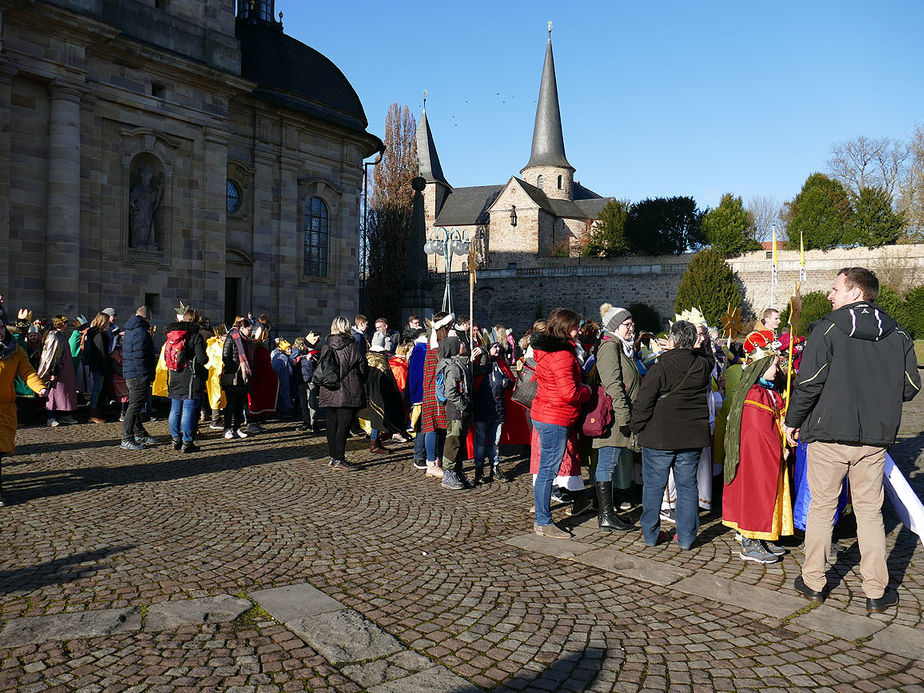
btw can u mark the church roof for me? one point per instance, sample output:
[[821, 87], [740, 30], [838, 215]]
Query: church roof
[[548, 141], [558, 208], [427, 159], [289, 73], [468, 206]]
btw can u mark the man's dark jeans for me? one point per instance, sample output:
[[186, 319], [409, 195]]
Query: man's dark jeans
[[137, 395]]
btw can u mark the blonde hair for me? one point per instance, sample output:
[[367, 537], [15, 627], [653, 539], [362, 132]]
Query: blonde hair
[[300, 343], [100, 321], [340, 325]]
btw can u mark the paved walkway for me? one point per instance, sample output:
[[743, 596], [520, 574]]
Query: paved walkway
[[253, 566]]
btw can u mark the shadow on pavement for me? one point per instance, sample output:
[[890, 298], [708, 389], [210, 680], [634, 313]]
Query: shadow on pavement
[[579, 670], [59, 570]]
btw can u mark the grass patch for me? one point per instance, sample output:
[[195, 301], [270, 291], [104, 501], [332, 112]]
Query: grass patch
[[804, 610], [250, 618], [919, 351]]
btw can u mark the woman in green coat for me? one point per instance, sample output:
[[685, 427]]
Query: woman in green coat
[[619, 375]]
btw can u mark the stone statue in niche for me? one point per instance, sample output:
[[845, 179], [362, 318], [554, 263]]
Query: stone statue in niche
[[143, 202]]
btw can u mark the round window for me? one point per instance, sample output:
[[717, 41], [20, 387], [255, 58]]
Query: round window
[[234, 197]]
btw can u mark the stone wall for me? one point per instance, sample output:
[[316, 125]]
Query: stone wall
[[517, 297]]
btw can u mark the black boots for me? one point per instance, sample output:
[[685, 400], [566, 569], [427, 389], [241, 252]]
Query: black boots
[[479, 476], [606, 515]]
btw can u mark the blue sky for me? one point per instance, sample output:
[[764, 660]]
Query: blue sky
[[658, 98]]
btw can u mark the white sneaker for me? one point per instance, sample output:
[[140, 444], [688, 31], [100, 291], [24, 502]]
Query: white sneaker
[[53, 422], [433, 469], [241, 434], [229, 434], [398, 438]]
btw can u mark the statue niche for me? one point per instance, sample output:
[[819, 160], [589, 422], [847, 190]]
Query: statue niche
[[145, 195]]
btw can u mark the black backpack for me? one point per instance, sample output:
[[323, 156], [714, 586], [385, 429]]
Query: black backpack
[[327, 372]]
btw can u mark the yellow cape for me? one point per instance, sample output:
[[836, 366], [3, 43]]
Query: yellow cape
[[214, 347]]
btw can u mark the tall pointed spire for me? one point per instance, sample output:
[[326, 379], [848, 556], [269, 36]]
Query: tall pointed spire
[[428, 161], [548, 142]]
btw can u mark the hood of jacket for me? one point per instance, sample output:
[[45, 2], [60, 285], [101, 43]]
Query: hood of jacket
[[540, 341], [136, 321], [340, 341], [863, 320], [449, 348], [182, 325]]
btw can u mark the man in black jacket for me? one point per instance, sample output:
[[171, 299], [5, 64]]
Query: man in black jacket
[[138, 363], [857, 368]]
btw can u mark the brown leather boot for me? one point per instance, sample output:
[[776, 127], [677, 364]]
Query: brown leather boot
[[376, 447], [95, 417]]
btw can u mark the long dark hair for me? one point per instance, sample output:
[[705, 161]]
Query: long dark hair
[[561, 322]]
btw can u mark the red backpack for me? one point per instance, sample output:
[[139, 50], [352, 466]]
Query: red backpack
[[175, 349]]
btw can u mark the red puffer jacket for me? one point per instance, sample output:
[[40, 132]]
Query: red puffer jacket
[[560, 392]]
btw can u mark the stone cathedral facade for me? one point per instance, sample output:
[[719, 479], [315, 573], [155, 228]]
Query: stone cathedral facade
[[153, 151]]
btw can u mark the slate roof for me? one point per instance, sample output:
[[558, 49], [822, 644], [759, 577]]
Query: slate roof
[[428, 161], [548, 142], [468, 206], [289, 73]]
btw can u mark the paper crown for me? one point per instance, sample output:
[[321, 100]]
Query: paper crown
[[80, 321], [180, 310], [694, 315], [759, 344], [312, 337], [59, 320], [282, 345]]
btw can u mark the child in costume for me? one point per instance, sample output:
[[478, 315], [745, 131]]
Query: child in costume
[[756, 500]]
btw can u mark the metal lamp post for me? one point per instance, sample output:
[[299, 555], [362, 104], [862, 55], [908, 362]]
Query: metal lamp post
[[446, 243]]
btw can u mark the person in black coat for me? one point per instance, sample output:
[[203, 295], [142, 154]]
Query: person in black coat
[[96, 353], [138, 362], [671, 420], [186, 383], [343, 403], [236, 374]]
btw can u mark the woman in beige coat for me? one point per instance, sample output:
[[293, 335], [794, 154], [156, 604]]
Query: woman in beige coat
[[13, 362], [619, 375]]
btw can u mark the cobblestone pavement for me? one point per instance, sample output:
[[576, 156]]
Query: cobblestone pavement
[[453, 576]]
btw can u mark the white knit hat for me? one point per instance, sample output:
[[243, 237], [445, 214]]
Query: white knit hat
[[613, 317]]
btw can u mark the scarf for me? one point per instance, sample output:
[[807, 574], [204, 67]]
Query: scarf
[[241, 353], [628, 348], [750, 375]]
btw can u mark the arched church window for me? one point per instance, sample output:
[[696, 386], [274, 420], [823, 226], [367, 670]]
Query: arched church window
[[559, 182], [316, 237], [539, 182], [233, 203]]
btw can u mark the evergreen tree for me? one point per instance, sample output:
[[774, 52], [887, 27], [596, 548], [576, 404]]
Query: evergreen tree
[[727, 228], [872, 221], [821, 212], [664, 226], [708, 284], [608, 236]]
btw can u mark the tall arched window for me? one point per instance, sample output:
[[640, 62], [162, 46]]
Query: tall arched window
[[539, 182], [317, 223], [559, 182]]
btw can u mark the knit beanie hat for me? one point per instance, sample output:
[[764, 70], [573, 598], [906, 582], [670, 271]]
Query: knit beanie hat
[[378, 340], [612, 317]]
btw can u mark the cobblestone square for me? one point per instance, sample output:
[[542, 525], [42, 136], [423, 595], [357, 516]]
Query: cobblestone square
[[448, 580]]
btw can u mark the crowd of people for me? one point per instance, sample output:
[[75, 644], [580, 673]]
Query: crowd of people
[[653, 418]]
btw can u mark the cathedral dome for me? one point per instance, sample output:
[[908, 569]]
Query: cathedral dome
[[289, 73]]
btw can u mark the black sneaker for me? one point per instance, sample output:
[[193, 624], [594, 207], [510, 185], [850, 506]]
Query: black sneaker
[[190, 446], [131, 445], [420, 464], [302, 428], [146, 440], [668, 516], [499, 475], [560, 495], [177, 444], [810, 594]]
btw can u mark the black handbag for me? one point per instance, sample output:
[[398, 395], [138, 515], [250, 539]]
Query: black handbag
[[524, 391]]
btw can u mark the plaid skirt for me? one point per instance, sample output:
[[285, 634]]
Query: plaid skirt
[[433, 414]]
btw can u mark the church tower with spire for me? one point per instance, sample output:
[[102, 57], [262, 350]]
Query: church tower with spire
[[429, 168], [548, 168]]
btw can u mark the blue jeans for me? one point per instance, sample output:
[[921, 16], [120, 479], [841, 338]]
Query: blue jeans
[[433, 443], [487, 437], [656, 465], [614, 464], [188, 410], [552, 442]]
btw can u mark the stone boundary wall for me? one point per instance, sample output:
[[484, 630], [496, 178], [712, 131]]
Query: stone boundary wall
[[516, 297]]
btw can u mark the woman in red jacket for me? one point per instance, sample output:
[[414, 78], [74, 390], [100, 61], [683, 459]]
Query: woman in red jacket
[[556, 407]]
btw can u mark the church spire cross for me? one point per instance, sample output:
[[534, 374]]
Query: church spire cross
[[548, 142]]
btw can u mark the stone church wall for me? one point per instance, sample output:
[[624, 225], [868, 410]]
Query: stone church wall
[[517, 297]]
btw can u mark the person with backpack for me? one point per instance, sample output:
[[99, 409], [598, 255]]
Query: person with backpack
[[187, 360], [453, 387], [138, 363], [305, 362], [341, 373], [492, 378]]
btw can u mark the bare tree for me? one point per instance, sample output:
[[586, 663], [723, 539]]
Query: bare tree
[[765, 211], [911, 193], [392, 177], [869, 163]]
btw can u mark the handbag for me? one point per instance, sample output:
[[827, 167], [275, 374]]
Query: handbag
[[598, 413], [524, 391]]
